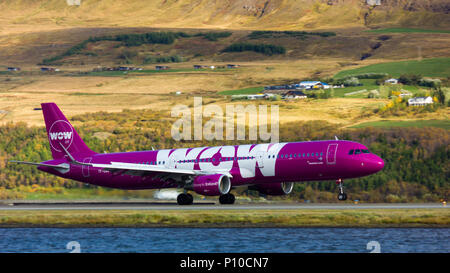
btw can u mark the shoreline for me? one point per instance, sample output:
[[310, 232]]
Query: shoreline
[[217, 218]]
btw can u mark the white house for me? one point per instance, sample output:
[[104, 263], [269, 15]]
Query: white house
[[420, 101], [391, 81]]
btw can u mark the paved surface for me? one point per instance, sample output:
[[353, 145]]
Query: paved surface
[[201, 206]]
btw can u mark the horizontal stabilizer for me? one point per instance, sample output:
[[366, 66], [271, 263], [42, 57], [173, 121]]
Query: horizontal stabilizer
[[60, 166]]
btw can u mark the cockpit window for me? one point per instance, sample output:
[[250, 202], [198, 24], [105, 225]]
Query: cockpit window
[[365, 151], [357, 151], [351, 152]]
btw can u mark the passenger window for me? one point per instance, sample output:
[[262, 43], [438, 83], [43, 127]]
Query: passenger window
[[357, 151], [317, 154], [365, 151], [351, 152]]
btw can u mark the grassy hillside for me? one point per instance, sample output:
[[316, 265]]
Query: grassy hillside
[[407, 30], [445, 124], [436, 67], [235, 14], [424, 152]]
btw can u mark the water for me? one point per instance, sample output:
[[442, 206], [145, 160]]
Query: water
[[224, 239]]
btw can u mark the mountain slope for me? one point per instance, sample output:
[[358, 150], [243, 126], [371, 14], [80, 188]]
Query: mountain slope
[[234, 14]]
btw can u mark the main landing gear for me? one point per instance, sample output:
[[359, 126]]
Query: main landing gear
[[188, 199], [342, 196], [227, 199], [185, 199]]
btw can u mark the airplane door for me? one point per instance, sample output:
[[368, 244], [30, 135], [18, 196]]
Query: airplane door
[[172, 162], [260, 159], [85, 169], [331, 154]]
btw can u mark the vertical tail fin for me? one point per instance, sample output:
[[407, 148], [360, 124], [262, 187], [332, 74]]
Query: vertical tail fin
[[61, 132]]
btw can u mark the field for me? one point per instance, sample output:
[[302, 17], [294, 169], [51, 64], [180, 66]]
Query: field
[[445, 124], [436, 67], [244, 91], [227, 218], [407, 30]]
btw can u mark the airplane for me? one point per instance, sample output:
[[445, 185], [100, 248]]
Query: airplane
[[269, 168]]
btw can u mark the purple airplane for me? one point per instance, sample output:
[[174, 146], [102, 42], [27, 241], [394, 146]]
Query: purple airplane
[[270, 168]]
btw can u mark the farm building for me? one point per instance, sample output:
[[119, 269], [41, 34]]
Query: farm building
[[391, 81], [373, 2], [161, 67], [295, 95], [420, 101], [73, 2], [313, 85], [49, 69], [233, 65], [198, 66]]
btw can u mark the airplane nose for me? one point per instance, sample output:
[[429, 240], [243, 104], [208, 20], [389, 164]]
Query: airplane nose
[[380, 163], [373, 164]]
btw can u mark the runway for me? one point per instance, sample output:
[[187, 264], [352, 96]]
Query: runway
[[205, 206]]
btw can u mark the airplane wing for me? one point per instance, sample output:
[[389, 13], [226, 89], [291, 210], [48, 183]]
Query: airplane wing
[[118, 166]]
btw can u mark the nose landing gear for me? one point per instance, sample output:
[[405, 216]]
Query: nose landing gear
[[342, 196]]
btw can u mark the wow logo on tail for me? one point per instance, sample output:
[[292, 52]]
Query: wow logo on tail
[[60, 132]]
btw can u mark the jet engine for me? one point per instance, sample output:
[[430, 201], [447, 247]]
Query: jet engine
[[215, 184], [282, 188]]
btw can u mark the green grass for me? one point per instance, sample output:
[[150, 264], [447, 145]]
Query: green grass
[[407, 30], [244, 91], [436, 67], [368, 84], [227, 218], [445, 124]]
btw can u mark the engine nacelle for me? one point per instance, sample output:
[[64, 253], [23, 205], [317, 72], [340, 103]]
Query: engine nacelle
[[282, 188], [214, 184]]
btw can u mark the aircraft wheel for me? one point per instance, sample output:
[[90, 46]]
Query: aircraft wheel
[[185, 199], [342, 196], [227, 199]]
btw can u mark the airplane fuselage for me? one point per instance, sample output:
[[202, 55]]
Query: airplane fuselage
[[247, 164]]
